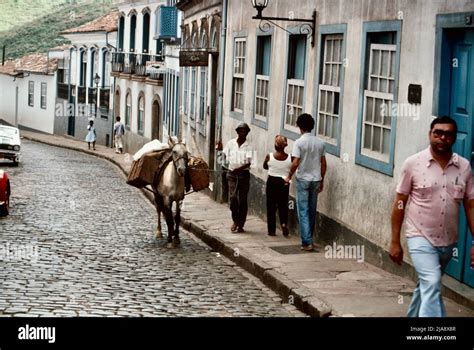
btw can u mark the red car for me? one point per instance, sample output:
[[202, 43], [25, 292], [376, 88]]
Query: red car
[[4, 193]]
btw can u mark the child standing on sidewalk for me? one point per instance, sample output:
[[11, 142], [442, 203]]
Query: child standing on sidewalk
[[278, 165], [91, 135]]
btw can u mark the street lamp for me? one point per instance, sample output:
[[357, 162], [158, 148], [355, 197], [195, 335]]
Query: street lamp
[[96, 81], [259, 5], [309, 27]]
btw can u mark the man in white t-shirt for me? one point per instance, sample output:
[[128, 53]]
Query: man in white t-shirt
[[309, 163], [239, 159]]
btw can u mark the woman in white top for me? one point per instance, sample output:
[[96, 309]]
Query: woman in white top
[[278, 165]]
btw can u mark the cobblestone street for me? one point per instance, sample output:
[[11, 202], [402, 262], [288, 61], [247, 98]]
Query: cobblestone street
[[80, 242]]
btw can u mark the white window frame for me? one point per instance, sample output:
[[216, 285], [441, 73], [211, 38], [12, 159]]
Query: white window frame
[[141, 115], [43, 95], [31, 93], [330, 87], [238, 96], [293, 108], [387, 99], [203, 100], [128, 109]]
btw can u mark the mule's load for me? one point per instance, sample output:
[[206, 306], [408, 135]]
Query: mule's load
[[146, 170], [198, 172], [151, 160]]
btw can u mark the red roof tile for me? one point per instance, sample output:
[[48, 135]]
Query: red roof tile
[[106, 23], [33, 63]]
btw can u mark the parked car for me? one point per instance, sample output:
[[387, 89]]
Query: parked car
[[4, 193], [10, 143]]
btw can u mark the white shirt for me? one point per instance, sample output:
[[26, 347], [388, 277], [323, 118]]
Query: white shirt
[[279, 168], [238, 156], [310, 150]]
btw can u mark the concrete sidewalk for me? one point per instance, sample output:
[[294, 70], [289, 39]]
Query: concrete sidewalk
[[315, 283]]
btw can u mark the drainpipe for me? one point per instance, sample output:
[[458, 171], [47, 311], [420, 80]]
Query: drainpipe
[[218, 181], [222, 46], [113, 88]]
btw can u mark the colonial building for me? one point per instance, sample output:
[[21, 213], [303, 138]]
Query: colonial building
[[28, 92], [146, 71], [373, 75], [199, 61], [84, 82]]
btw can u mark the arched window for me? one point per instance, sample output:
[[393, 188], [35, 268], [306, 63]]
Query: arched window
[[146, 33], [121, 32], [214, 38], [141, 114], [204, 40], [194, 43], [105, 68], [82, 67], [133, 29], [94, 66], [128, 109]]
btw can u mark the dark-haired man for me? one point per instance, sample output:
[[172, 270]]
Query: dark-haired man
[[436, 181], [309, 163]]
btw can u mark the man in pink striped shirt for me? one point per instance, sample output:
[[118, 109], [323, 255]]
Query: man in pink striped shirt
[[433, 182]]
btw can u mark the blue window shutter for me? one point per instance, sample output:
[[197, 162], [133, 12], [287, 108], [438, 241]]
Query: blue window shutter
[[168, 22], [267, 50], [300, 60]]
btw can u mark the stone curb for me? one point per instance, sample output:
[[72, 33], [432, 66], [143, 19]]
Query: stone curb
[[288, 290]]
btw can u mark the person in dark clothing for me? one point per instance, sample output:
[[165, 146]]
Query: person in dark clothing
[[239, 157], [278, 164]]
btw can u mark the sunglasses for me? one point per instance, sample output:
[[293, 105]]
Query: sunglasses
[[439, 133]]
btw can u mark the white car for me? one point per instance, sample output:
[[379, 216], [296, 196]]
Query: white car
[[10, 143]]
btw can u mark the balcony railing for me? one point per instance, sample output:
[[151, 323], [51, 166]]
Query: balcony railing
[[118, 59], [132, 63], [104, 98], [92, 92], [81, 94], [63, 91]]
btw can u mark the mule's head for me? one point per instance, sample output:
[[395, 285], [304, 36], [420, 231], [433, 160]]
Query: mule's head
[[180, 156]]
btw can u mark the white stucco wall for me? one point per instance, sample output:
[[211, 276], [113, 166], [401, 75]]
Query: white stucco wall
[[7, 98], [150, 92], [34, 117], [357, 197]]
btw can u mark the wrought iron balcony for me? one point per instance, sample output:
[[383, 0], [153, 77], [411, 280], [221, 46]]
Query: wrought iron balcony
[[81, 94], [63, 91], [104, 98], [132, 63]]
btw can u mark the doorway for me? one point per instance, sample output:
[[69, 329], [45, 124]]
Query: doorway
[[156, 129], [456, 88]]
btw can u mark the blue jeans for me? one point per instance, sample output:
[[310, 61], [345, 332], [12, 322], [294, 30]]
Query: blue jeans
[[429, 263], [306, 202]]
